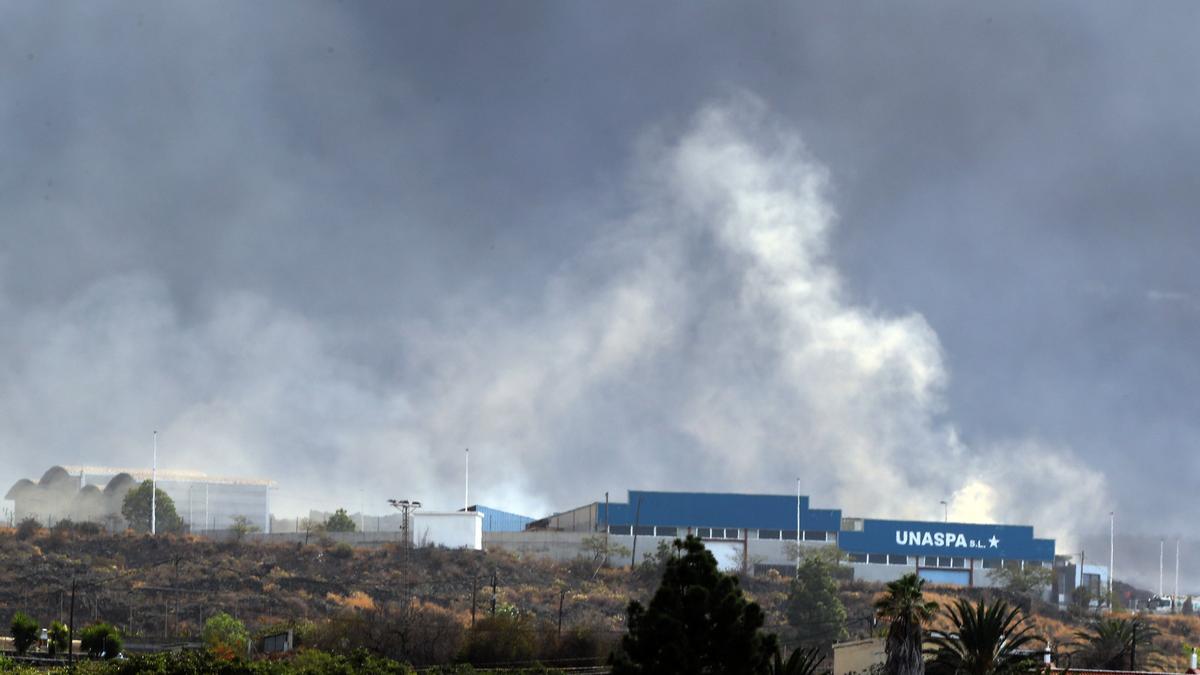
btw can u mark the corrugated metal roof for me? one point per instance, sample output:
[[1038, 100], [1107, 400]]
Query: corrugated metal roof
[[719, 509]]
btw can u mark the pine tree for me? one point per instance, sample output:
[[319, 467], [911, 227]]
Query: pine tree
[[697, 622], [813, 606]]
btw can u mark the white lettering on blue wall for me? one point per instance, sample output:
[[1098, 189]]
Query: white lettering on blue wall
[[941, 539]]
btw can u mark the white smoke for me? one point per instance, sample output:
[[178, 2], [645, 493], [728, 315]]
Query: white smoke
[[704, 341]]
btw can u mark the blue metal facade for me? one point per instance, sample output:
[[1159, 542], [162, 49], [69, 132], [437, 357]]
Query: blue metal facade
[[712, 509], [778, 512], [495, 520], [966, 540]]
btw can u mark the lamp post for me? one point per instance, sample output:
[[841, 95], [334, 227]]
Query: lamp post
[[1112, 529], [945, 511], [797, 527], [154, 487]]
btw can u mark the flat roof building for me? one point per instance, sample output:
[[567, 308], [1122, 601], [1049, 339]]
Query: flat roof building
[[758, 532]]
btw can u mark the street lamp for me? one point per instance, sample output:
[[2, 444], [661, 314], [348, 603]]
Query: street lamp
[[945, 511], [406, 506]]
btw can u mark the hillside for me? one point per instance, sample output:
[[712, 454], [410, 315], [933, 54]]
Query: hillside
[[162, 589]]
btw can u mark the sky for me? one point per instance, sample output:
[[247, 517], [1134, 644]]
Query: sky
[[902, 253]]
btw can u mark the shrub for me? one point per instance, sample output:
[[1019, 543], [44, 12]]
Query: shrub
[[342, 551], [89, 528], [59, 635], [340, 521], [27, 528], [225, 635], [24, 631], [508, 639], [101, 639]]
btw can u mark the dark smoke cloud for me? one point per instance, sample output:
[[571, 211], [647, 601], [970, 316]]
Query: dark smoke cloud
[[937, 253]]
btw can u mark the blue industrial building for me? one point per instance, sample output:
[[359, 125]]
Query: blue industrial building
[[495, 520], [761, 530]]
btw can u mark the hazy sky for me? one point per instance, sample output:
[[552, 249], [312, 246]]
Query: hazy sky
[[905, 252]]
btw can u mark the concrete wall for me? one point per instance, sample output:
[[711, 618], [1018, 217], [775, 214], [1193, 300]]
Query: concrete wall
[[452, 529], [858, 656]]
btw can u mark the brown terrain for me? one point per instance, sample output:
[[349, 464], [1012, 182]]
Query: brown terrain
[[160, 590]]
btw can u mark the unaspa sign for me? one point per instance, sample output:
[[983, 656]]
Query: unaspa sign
[[944, 539]]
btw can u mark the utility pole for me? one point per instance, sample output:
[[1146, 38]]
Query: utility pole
[[1176, 593], [71, 629], [493, 592], [154, 487], [606, 528], [1112, 529], [406, 506], [562, 593], [637, 519], [798, 527], [1160, 568]]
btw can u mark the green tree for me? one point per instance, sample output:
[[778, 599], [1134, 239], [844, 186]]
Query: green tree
[[101, 640], [1188, 607], [813, 607], [1027, 580], [241, 526], [697, 622], [984, 639], [905, 609], [225, 635], [340, 521], [1114, 644], [598, 548], [136, 510], [59, 635], [24, 631]]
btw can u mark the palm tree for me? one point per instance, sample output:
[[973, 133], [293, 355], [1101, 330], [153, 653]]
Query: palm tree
[[1114, 644], [801, 662], [905, 608], [985, 640]]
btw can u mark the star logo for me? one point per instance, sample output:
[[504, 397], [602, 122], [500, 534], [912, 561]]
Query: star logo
[[994, 542]]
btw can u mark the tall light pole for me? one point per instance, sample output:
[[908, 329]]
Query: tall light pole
[[406, 506], [1112, 529], [1161, 545], [945, 511], [154, 487], [1176, 593], [797, 527]]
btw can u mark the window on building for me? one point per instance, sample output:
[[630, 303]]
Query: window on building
[[768, 534], [959, 563], [857, 557], [619, 529], [731, 533], [1034, 563], [704, 532], [897, 559], [788, 535], [991, 563], [1012, 564], [877, 558], [814, 535], [667, 531], [643, 530]]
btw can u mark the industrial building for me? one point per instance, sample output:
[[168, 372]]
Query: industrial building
[[94, 493], [761, 532]]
